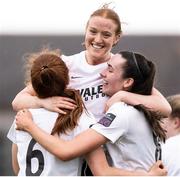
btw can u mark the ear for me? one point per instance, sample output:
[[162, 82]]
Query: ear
[[176, 122], [128, 83], [117, 38]]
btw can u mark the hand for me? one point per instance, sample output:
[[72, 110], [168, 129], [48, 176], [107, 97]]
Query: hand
[[113, 99], [157, 169], [57, 102], [23, 120]]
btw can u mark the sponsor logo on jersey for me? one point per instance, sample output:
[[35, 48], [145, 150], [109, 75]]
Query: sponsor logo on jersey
[[91, 93], [107, 119]]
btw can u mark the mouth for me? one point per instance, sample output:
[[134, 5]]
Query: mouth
[[105, 83], [97, 46]]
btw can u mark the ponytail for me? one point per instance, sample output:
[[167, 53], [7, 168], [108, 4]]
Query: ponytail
[[68, 121]]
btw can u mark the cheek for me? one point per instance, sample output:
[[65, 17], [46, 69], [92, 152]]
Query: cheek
[[109, 43], [115, 83], [87, 36]]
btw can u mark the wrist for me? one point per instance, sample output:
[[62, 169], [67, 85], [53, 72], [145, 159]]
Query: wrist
[[39, 102], [29, 128], [122, 95]]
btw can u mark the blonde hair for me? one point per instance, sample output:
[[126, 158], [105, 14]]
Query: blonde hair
[[174, 101]]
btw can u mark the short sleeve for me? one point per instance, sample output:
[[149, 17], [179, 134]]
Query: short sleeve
[[114, 124], [85, 122], [12, 133], [67, 60]]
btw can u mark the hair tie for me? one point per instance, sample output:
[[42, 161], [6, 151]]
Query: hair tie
[[137, 66], [44, 67]]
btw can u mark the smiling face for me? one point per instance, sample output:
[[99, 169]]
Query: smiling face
[[113, 80], [99, 39]]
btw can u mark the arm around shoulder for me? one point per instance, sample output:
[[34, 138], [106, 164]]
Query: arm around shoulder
[[26, 98], [59, 147], [99, 166], [156, 101]]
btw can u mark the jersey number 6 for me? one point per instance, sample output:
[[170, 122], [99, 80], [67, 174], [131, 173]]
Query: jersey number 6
[[34, 154]]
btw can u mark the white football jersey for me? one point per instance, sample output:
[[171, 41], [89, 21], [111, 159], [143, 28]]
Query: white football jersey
[[131, 143], [171, 155], [33, 159], [86, 78]]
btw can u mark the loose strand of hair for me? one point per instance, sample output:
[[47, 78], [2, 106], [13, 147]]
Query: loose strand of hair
[[154, 119]]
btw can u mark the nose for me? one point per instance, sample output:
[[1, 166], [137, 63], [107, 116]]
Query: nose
[[98, 38]]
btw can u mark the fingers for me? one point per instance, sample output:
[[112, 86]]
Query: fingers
[[160, 164], [66, 105], [59, 111], [22, 111], [68, 100], [64, 99]]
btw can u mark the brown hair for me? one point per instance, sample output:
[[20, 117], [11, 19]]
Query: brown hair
[[108, 13], [143, 72], [49, 77]]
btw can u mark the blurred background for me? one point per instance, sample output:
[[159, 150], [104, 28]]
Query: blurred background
[[149, 27]]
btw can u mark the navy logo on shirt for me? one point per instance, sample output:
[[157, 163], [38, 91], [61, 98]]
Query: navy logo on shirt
[[107, 119]]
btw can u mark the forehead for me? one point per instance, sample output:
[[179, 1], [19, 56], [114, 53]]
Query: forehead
[[101, 22], [117, 61]]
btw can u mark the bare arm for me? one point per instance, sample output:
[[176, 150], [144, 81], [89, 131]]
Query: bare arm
[[99, 166], [15, 164], [28, 99], [60, 148], [155, 102]]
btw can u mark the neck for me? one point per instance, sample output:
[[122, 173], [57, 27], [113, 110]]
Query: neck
[[95, 61], [175, 133]]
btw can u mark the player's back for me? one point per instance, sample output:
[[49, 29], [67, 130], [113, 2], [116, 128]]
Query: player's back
[[35, 160]]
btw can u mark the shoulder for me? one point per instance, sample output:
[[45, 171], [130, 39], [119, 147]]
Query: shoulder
[[121, 107], [73, 59], [42, 115], [172, 142], [74, 56], [84, 123], [126, 112], [41, 111], [87, 118]]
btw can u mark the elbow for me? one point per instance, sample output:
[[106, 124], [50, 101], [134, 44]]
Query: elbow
[[167, 110], [65, 157], [15, 105]]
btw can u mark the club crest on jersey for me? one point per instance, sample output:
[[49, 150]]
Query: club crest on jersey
[[107, 119]]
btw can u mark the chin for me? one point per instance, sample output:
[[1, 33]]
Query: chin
[[107, 93]]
